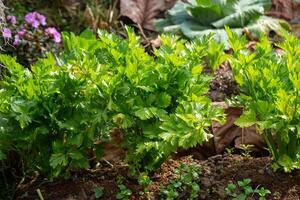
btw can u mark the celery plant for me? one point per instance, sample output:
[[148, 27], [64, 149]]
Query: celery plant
[[270, 84]]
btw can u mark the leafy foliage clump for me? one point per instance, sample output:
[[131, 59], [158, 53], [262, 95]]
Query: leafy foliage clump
[[196, 18], [53, 115], [186, 184], [270, 86], [243, 190]]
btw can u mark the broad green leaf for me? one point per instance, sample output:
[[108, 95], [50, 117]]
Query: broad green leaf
[[99, 191], [58, 159], [247, 119], [76, 139], [144, 113], [200, 18]]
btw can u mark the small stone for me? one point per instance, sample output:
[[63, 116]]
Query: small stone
[[261, 171], [206, 182], [215, 158], [221, 193], [202, 196]]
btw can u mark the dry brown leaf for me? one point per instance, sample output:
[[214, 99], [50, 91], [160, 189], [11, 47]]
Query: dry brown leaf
[[89, 17], [113, 150], [229, 133], [71, 6], [144, 12], [286, 9]]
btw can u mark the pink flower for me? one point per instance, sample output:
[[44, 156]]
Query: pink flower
[[54, 34], [22, 32], [17, 40], [11, 19], [6, 33], [35, 19]]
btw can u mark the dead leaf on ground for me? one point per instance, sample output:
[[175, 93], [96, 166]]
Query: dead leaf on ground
[[286, 9], [230, 134], [226, 136], [144, 12]]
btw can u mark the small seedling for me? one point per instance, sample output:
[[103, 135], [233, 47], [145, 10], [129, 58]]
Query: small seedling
[[230, 190], [124, 192], [144, 181], [186, 182], [246, 149], [99, 191], [243, 190], [229, 151], [262, 192]]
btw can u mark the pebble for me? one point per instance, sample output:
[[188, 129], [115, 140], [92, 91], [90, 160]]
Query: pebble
[[221, 193], [215, 158], [261, 171], [205, 182]]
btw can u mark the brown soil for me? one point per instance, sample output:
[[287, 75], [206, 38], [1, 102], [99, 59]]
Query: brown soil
[[217, 172], [223, 85]]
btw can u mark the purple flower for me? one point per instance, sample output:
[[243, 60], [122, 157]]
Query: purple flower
[[30, 17], [42, 19], [35, 19], [54, 33], [6, 33], [35, 24], [22, 32], [17, 40], [11, 19], [57, 38]]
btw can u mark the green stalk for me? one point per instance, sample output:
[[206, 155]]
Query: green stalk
[[271, 144], [292, 146]]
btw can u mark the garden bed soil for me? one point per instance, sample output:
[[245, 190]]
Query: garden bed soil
[[216, 173]]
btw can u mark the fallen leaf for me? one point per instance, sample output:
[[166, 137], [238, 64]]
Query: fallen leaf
[[229, 133], [286, 9], [144, 12]]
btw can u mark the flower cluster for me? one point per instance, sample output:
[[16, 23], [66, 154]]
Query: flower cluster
[[35, 19], [11, 19], [6, 33], [30, 37], [53, 33]]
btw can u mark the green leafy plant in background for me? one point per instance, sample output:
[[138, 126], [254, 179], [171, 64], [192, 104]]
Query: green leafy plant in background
[[62, 109], [243, 190], [270, 86], [197, 18], [184, 185]]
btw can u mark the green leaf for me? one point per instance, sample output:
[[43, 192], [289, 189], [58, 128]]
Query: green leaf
[[199, 18], [247, 119], [88, 34], [144, 113], [99, 191], [58, 159], [163, 100], [242, 12], [206, 11], [76, 139]]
